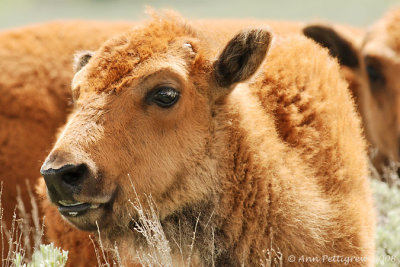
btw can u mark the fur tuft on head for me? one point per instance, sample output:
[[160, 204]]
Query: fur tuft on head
[[168, 15]]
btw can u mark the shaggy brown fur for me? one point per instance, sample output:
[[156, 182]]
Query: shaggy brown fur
[[358, 55], [279, 160], [36, 70]]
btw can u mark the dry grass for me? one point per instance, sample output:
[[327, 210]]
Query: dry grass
[[25, 232], [158, 251], [273, 257], [385, 187], [106, 257]]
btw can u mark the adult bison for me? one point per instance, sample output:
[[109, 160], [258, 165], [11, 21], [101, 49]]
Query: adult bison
[[276, 161]]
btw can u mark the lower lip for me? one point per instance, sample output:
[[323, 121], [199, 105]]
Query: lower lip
[[74, 211]]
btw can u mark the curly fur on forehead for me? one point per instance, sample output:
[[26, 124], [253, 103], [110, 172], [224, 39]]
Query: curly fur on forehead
[[122, 54]]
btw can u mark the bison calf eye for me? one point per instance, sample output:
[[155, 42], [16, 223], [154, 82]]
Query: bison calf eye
[[164, 96], [375, 75]]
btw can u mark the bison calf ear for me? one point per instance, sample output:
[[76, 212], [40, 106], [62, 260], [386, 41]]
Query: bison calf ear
[[337, 45], [242, 56], [81, 59]]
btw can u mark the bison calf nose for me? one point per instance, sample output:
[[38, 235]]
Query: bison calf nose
[[65, 181]]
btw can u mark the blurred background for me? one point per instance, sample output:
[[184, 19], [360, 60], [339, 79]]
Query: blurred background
[[15, 13]]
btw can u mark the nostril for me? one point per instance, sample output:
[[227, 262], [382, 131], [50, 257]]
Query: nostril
[[68, 174], [62, 183], [74, 175]]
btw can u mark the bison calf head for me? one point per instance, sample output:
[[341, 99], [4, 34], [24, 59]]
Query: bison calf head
[[145, 118], [381, 52]]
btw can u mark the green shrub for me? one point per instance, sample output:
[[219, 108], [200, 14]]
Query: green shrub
[[387, 201], [46, 256]]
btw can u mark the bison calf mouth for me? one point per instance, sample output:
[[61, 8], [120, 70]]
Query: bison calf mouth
[[86, 216], [69, 208]]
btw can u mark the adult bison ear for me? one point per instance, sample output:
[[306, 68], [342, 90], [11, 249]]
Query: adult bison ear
[[242, 56], [81, 59], [337, 45]]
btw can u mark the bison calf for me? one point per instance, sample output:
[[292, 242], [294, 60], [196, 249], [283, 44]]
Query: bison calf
[[272, 162], [371, 65]]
